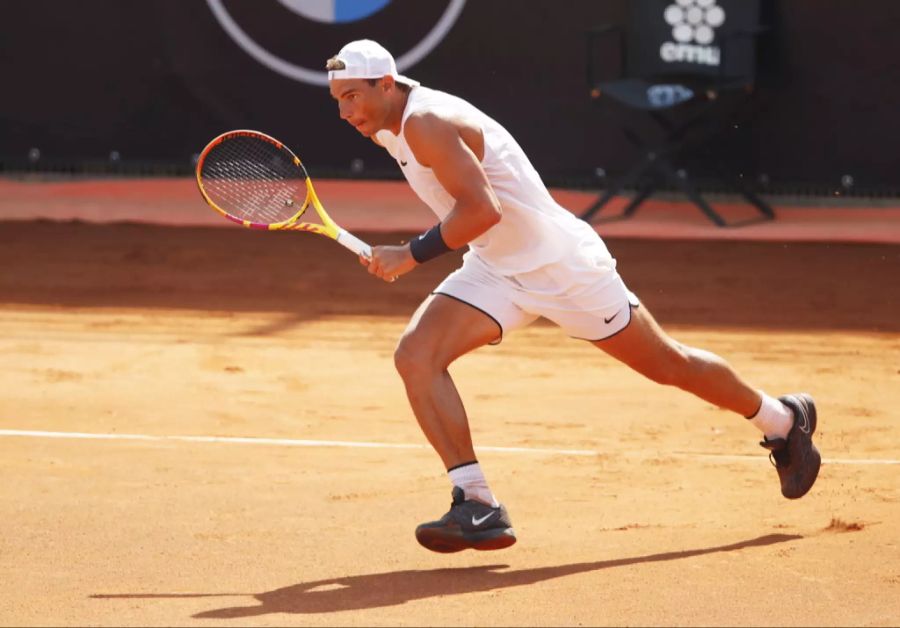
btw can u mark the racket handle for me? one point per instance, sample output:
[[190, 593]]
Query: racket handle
[[354, 244]]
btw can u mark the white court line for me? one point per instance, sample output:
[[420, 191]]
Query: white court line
[[291, 442], [747, 457], [282, 442]]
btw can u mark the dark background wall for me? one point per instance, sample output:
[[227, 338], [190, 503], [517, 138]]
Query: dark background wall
[[155, 80]]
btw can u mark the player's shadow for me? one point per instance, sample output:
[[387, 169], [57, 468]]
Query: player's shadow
[[397, 587]]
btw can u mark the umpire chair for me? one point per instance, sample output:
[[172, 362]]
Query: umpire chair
[[683, 64]]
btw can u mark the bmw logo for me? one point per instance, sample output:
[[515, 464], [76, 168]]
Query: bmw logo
[[272, 32], [335, 11]]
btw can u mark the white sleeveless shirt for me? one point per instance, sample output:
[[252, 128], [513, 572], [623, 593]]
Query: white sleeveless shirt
[[534, 230]]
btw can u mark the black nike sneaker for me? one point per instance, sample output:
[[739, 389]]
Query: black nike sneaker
[[469, 524], [796, 458]]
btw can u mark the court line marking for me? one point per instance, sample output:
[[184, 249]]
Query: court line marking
[[292, 442], [282, 442], [745, 457]]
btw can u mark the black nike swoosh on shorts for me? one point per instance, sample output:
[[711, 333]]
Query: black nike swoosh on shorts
[[610, 319]]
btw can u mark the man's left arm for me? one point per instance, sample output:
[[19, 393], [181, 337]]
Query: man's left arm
[[437, 143]]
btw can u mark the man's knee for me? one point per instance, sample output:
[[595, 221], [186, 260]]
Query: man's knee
[[413, 358]]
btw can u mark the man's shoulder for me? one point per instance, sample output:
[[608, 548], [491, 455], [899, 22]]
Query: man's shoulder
[[424, 118], [437, 116], [435, 101], [427, 123]]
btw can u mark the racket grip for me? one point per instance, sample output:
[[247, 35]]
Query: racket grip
[[354, 244]]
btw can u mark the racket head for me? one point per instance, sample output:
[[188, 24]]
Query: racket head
[[254, 180]]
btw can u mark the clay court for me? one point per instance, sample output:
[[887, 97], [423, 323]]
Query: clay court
[[202, 425]]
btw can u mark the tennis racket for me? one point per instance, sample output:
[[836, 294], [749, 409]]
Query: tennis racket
[[258, 182]]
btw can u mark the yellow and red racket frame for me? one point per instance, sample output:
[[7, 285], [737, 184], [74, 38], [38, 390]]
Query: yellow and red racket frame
[[328, 228]]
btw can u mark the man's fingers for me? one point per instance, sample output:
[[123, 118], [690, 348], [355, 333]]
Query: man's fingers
[[376, 267], [378, 271]]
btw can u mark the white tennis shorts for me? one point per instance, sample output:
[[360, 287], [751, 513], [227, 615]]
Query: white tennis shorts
[[582, 293]]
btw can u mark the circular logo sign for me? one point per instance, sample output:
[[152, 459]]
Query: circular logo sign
[[331, 12], [335, 11]]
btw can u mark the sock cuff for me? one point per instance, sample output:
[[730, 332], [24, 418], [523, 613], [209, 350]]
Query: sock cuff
[[461, 465], [468, 477], [773, 418], [762, 401]]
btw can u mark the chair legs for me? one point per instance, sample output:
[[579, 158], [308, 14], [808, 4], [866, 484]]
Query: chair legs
[[739, 186], [655, 163], [639, 198], [630, 178], [680, 180]]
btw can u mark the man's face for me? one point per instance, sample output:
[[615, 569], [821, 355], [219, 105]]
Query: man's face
[[363, 105]]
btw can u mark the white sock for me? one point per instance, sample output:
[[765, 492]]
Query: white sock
[[471, 480], [774, 419]]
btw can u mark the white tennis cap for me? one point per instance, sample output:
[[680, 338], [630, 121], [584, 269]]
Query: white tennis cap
[[367, 59]]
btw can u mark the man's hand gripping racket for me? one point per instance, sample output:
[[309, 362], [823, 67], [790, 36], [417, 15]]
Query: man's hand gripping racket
[[258, 182]]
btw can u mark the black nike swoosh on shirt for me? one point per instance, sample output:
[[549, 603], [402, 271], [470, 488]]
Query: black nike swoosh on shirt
[[609, 320], [403, 163]]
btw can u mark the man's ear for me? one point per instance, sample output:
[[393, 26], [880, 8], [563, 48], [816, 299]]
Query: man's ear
[[387, 83]]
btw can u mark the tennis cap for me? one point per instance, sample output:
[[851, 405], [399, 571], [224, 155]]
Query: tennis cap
[[367, 59]]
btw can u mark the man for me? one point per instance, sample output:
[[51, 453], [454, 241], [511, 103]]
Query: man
[[527, 257]]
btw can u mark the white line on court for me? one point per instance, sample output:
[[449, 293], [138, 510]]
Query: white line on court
[[744, 458], [291, 442], [281, 442]]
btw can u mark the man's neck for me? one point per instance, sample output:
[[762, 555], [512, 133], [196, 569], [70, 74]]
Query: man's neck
[[395, 123]]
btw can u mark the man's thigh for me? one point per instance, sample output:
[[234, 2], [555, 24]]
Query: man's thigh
[[444, 328], [475, 286], [642, 345]]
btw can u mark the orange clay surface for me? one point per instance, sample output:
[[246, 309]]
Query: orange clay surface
[[661, 510]]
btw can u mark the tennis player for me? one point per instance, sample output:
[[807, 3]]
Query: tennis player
[[527, 257]]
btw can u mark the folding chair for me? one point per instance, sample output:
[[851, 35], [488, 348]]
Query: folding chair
[[678, 61]]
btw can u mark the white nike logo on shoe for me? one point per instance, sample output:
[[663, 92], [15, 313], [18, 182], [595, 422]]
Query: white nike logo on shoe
[[803, 423], [480, 520]]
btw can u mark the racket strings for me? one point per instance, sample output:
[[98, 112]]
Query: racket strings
[[253, 179]]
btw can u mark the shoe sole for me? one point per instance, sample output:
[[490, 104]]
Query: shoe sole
[[446, 541]]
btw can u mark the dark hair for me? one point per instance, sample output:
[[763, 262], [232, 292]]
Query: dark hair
[[403, 87], [336, 64]]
